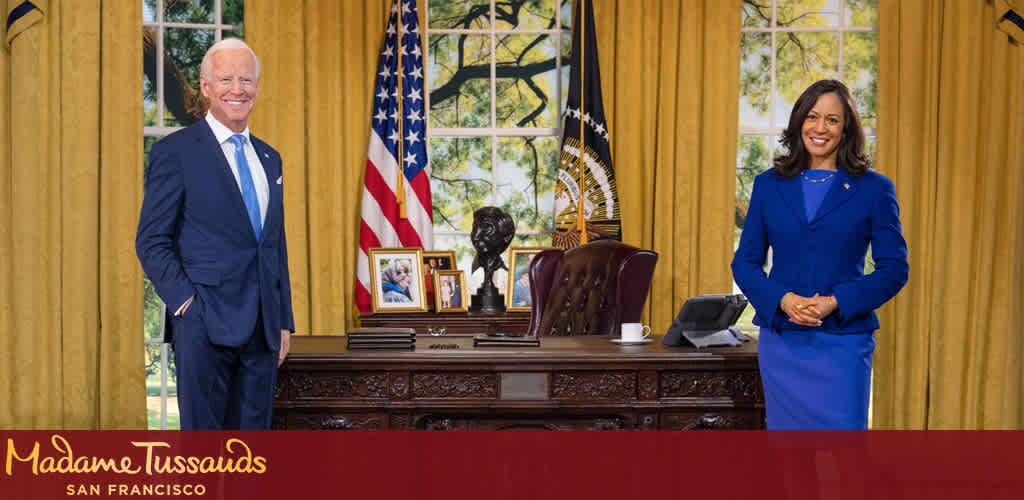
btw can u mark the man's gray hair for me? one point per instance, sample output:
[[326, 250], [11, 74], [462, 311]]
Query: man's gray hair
[[227, 43]]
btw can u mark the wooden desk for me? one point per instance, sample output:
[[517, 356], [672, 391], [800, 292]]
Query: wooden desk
[[453, 323], [567, 383]]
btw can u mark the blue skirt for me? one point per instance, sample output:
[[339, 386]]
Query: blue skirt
[[816, 380]]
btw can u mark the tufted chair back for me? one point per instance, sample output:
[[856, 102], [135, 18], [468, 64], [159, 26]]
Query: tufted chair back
[[590, 289]]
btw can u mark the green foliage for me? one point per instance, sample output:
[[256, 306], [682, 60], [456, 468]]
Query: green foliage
[[462, 176]]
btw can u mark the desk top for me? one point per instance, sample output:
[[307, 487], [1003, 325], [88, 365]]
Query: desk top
[[597, 348]]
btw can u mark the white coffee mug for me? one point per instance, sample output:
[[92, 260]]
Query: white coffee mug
[[635, 332]]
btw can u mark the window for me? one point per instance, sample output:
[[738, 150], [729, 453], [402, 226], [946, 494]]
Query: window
[[786, 46], [176, 34], [497, 78]]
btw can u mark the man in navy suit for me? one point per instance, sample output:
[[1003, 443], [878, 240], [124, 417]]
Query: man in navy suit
[[211, 238]]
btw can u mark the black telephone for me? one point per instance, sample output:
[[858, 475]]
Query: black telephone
[[708, 320]]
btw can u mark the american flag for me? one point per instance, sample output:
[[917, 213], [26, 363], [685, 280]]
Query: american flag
[[381, 224]]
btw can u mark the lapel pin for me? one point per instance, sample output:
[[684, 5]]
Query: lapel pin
[[266, 155], [846, 185]]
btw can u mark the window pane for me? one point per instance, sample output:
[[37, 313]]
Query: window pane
[[871, 147], [567, 13], [148, 11], [153, 380], [148, 102], [566, 68], [460, 180], [538, 240], [526, 83], [860, 68], [757, 14], [801, 59], [459, 14], [861, 13], [526, 180], [186, 48], [755, 79], [530, 15], [233, 12], [152, 311], [808, 14], [752, 158], [176, 11], [460, 90]]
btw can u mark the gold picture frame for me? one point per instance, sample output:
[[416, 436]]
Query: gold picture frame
[[435, 260], [450, 292], [396, 279], [518, 298]]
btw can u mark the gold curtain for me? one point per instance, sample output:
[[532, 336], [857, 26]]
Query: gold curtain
[[670, 75], [949, 134], [319, 63], [71, 177], [671, 97]]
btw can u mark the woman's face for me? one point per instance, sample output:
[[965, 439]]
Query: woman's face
[[823, 127]]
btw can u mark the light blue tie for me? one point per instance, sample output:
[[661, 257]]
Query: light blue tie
[[252, 204]]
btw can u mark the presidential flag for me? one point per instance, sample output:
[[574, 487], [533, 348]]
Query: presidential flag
[[397, 152], [600, 197]]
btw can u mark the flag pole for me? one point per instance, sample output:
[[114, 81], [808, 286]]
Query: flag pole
[[400, 179], [581, 222]]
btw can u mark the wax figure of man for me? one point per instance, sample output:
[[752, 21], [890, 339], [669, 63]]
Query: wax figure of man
[[211, 238]]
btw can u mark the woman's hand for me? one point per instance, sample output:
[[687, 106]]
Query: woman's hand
[[821, 306], [801, 310]]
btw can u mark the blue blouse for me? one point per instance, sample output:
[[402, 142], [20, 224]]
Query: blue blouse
[[815, 184]]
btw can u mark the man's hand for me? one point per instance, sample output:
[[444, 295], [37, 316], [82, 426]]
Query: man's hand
[[286, 344], [799, 310]]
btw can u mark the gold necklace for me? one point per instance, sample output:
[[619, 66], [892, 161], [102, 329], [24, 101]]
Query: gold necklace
[[816, 181]]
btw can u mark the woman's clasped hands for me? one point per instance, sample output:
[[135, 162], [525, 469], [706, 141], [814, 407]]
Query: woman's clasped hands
[[807, 311]]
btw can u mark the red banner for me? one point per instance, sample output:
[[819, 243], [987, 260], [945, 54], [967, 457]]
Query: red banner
[[512, 464]]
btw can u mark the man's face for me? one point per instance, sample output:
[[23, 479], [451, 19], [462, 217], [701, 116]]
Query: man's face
[[232, 87]]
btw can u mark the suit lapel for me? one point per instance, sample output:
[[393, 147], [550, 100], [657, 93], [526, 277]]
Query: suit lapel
[[792, 194], [842, 189], [221, 171]]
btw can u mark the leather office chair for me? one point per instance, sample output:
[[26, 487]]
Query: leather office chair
[[590, 289]]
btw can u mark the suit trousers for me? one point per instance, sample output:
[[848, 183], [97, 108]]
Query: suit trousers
[[222, 387]]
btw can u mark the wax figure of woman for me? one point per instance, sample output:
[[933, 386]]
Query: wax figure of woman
[[818, 210]]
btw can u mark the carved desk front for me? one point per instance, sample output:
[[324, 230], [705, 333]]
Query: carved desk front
[[568, 383]]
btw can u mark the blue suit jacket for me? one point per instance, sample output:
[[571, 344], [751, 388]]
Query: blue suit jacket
[[195, 238], [824, 255]]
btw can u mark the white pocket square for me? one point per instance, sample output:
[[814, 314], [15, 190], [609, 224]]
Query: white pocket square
[[279, 179]]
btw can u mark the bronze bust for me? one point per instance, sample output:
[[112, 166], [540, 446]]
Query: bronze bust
[[492, 233]]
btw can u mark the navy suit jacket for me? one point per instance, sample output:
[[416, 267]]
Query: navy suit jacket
[[824, 255], [195, 238]]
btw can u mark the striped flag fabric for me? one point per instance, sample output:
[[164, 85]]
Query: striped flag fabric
[[382, 224]]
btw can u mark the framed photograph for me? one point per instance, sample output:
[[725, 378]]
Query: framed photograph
[[435, 261], [396, 275], [450, 291], [517, 294]]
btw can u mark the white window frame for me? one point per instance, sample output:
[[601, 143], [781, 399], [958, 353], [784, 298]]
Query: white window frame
[[494, 133], [840, 29], [159, 25]]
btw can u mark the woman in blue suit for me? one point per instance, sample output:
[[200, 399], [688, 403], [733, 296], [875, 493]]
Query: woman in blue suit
[[818, 210]]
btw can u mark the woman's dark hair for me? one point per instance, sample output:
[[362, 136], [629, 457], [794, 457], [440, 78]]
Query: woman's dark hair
[[850, 155]]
